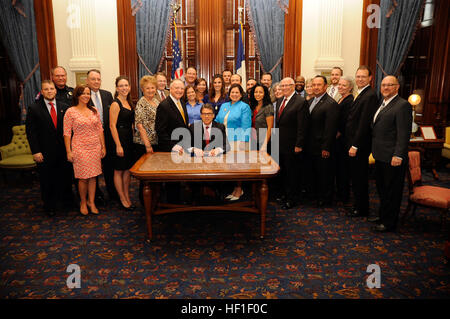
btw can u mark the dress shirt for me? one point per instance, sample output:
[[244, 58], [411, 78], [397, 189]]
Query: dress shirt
[[49, 107], [314, 102], [218, 149], [96, 98]]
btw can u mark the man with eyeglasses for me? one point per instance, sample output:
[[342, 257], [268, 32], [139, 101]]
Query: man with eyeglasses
[[358, 140], [208, 137], [391, 128], [292, 118]]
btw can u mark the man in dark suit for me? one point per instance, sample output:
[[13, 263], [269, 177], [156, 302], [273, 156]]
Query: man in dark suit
[[359, 140], [208, 137], [44, 127], [171, 115], [102, 100], [171, 125], [391, 129], [324, 116], [292, 125]]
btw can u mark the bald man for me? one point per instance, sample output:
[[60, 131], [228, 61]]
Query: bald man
[[391, 128], [292, 123]]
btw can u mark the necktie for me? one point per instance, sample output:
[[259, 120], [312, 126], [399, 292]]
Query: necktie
[[53, 114], [281, 108], [356, 96], [163, 96], [313, 105], [98, 104], [378, 112], [207, 138], [180, 108], [332, 92]]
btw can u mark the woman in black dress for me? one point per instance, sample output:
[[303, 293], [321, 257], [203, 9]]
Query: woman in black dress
[[345, 89], [121, 120]]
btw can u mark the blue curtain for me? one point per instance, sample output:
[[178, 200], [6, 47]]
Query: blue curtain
[[395, 35], [152, 24], [18, 35], [267, 18]]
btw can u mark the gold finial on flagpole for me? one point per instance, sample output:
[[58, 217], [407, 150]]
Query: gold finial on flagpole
[[241, 11]]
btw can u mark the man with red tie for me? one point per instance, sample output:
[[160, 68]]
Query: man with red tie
[[44, 127], [291, 122]]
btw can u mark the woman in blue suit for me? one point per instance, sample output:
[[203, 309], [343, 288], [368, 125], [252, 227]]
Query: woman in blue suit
[[237, 118]]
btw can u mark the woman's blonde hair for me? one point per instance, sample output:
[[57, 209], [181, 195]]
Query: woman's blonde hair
[[146, 79]]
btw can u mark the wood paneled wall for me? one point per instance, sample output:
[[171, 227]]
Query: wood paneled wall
[[211, 37], [292, 58], [128, 59], [438, 97], [369, 41], [45, 31]]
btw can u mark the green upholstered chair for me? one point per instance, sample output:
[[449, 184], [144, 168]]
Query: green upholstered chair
[[17, 154]]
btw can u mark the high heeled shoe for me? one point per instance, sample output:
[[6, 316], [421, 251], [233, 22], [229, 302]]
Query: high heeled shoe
[[233, 198], [84, 212], [93, 211], [129, 208]]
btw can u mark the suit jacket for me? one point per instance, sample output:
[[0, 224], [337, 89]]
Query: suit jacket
[[42, 135], [292, 124], [218, 136], [107, 99], [323, 125], [168, 118], [359, 121], [158, 97], [391, 131]]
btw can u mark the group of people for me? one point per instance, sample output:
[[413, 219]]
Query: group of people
[[323, 134]]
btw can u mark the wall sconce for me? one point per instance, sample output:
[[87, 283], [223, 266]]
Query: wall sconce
[[414, 100]]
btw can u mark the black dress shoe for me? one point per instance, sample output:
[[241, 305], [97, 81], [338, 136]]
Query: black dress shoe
[[381, 229], [50, 212], [374, 219], [357, 213], [288, 205]]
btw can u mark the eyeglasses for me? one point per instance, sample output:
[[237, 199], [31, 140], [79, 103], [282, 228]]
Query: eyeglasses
[[388, 85], [207, 114]]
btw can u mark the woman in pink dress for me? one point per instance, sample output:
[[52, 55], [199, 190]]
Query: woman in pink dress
[[86, 147]]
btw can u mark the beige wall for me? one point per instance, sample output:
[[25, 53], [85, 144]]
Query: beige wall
[[350, 28], [82, 44]]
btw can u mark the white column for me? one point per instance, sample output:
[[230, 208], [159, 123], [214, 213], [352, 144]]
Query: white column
[[83, 35], [330, 34]]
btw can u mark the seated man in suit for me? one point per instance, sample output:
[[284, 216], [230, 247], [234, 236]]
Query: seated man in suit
[[208, 138]]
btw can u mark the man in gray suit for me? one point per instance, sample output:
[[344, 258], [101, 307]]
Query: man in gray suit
[[391, 128]]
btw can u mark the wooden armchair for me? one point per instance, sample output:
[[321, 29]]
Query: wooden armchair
[[421, 195]]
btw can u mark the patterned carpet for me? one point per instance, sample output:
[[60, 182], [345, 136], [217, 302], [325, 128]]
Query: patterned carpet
[[307, 253]]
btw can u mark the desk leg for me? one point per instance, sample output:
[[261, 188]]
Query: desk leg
[[263, 196], [148, 208]]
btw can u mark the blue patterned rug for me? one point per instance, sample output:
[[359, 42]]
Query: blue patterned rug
[[307, 253]]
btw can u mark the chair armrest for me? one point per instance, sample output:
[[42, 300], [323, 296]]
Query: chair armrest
[[7, 150]]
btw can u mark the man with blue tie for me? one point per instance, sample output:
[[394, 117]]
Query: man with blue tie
[[102, 100], [44, 127], [323, 123]]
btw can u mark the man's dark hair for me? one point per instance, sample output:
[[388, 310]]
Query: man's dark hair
[[93, 70], [207, 106], [365, 67], [322, 77]]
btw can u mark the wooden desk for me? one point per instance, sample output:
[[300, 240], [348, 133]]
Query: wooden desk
[[431, 148], [156, 168]]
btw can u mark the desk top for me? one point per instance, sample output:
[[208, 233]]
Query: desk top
[[239, 165]]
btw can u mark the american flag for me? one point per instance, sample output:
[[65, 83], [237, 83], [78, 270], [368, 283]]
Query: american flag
[[177, 64]]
